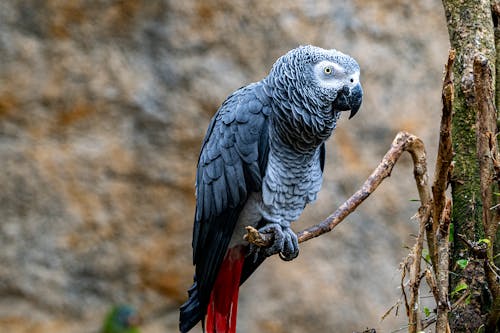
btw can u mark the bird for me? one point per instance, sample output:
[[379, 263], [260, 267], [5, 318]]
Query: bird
[[121, 319], [261, 162]]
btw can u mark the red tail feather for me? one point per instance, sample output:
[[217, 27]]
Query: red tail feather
[[223, 306]]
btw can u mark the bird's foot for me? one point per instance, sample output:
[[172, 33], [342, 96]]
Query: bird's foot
[[284, 242]]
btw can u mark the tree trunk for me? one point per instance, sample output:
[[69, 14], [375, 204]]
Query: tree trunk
[[471, 31]]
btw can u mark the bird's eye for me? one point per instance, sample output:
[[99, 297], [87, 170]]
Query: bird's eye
[[328, 70]]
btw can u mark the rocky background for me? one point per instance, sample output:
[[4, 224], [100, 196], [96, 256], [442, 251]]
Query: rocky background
[[103, 106]]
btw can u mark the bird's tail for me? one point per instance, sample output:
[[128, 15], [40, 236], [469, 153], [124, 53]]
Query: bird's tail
[[190, 311], [223, 305]]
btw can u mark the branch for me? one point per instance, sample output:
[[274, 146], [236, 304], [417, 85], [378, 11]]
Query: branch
[[443, 161], [413, 260], [486, 118], [488, 160], [403, 142], [443, 247]]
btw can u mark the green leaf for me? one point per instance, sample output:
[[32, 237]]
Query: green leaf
[[451, 237], [462, 263], [485, 240], [461, 286], [426, 255], [417, 200], [427, 311]]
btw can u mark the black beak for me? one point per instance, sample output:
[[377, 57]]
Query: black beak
[[349, 99]]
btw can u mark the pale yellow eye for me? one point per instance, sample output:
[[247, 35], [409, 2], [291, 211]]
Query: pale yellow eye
[[328, 70]]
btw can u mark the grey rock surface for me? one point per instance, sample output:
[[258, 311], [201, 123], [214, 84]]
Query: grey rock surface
[[103, 106]]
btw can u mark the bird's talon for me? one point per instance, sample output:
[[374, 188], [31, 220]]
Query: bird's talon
[[285, 242]]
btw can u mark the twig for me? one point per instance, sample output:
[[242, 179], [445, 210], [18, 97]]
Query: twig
[[431, 281], [403, 142], [414, 322], [404, 265], [394, 306], [443, 161], [443, 244], [459, 301], [479, 250], [255, 237]]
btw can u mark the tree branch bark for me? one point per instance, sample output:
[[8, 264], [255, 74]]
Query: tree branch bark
[[443, 245], [471, 28], [443, 160], [487, 156]]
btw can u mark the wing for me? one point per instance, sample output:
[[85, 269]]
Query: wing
[[231, 165], [322, 156]]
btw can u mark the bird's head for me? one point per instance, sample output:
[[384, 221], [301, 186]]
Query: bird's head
[[325, 81]]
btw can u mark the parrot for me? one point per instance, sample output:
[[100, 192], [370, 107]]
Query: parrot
[[121, 319], [261, 162]]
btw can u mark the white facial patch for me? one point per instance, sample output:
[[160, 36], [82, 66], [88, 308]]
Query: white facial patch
[[331, 75]]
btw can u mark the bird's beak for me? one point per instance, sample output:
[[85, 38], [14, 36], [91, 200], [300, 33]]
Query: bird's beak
[[349, 99], [355, 99]]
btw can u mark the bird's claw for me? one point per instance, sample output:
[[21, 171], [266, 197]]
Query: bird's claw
[[285, 242], [290, 245]]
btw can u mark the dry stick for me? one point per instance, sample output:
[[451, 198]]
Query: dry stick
[[437, 234], [443, 161], [487, 152], [403, 142], [414, 322], [486, 119], [443, 247], [431, 282]]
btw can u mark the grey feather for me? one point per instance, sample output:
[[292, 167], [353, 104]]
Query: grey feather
[[266, 143]]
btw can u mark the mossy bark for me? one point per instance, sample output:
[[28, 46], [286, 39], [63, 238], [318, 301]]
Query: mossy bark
[[496, 26], [471, 31]]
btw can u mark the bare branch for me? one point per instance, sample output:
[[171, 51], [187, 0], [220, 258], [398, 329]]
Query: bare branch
[[431, 282], [488, 160], [403, 142], [414, 258], [443, 245], [443, 161], [486, 118], [255, 237]]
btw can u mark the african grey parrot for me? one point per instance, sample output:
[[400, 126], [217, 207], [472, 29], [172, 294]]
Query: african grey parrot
[[261, 162]]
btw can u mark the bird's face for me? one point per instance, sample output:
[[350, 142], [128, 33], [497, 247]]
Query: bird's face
[[335, 81], [318, 79], [310, 86]]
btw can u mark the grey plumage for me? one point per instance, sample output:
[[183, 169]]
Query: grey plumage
[[262, 161]]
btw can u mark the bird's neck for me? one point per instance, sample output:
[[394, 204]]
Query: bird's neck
[[291, 181], [295, 121], [299, 128]]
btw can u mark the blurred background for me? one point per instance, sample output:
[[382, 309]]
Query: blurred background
[[103, 106]]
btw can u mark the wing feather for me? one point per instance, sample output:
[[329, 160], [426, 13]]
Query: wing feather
[[232, 163]]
